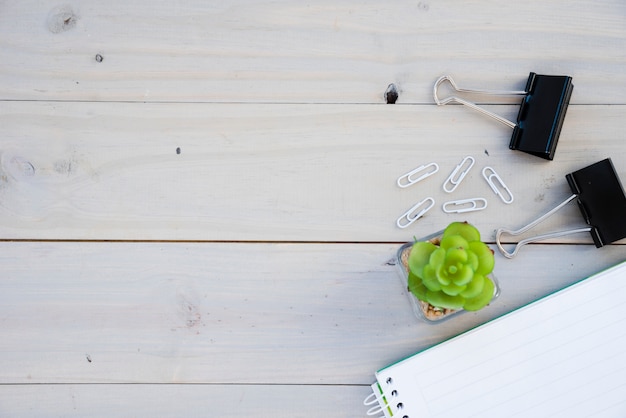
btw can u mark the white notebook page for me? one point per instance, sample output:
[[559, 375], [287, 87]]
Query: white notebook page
[[562, 356]]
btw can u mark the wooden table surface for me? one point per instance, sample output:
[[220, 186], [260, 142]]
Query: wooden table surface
[[198, 200]]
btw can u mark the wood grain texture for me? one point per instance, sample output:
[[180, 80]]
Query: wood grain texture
[[291, 52], [234, 313], [242, 158], [272, 172], [174, 401]]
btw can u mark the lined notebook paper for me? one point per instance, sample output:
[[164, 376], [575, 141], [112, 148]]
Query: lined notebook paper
[[562, 356]]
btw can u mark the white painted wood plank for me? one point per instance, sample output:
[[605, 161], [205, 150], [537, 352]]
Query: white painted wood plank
[[233, 313], [296, 329], [272, 172], [176, 401], [289, 51]]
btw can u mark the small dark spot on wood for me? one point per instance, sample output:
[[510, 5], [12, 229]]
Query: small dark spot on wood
[[61, 19], [423, 6], [178, 150], [391, 94], [99, 58], [22, 167]]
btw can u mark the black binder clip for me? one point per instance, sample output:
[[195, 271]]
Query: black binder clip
[[601, 200], [540, 116]]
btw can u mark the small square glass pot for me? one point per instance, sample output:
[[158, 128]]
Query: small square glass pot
[[424, 310]]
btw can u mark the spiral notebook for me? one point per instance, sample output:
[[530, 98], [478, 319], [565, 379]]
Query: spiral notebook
[[561, 356]]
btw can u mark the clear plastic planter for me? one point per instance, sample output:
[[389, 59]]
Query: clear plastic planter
[[424, 310]]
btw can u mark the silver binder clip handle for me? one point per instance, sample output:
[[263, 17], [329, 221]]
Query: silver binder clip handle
[[502, 231], [497, 185], [465, 205], [458, 174], [409, 178], [454, 99], [416, 212]]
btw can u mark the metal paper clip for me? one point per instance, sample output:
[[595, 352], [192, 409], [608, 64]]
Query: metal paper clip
[[411, 216], [474, 105], [465, 205], [407, 179], [457, 176], [497, 185]]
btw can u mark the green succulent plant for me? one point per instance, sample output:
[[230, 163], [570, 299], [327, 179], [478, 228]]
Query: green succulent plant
[[453, 274]]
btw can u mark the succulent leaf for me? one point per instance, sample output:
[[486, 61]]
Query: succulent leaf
[[420, 255], [430, 280], [417, 287], [437, 257], [475, 287], [453, 289], [455, 256], [472, 260], [486, 260], [464, 276], [442, 275], [443, 300], [453, 241], [483, 298], [467, 231]]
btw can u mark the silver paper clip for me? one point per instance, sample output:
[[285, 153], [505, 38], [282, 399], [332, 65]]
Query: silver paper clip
[[407, 179], [465, 205], [474, 105], [411, 216], [497, 185], [457, 176], [531, 225]]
